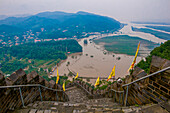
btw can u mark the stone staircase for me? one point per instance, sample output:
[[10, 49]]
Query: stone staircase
[[150, 95], [60, 107], [80, 103], [91, 106], [76, 95]]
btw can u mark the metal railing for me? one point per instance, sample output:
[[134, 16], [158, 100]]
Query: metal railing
[[127, 85], [32, 85], [121, 93]]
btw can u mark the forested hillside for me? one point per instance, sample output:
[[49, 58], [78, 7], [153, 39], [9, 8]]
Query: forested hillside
[[54, 25], [15, 57], [60, 23]]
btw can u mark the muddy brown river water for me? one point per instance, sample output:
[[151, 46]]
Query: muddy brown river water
[[93, 62]]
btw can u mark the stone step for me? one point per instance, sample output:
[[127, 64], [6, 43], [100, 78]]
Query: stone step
[[165, 105], [66, 107], [76, 95], [71, 88]]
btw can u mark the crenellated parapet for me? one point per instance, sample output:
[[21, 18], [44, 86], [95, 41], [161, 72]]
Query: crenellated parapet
[[31, 86], [139, 88]]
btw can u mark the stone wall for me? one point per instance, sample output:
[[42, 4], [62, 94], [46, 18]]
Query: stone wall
[[155, 89], [136, 93], [10, 97], [95, 94], [159, 85]]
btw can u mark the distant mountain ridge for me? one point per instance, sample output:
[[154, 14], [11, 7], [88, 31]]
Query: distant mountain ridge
[[55, 22], [3, 17], [55, 15]]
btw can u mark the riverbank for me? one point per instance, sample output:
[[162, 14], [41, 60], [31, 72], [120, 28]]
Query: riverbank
[[96, 61], [128, 31], [72, 54]]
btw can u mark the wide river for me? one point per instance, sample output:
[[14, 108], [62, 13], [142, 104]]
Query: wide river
[[101, 64]]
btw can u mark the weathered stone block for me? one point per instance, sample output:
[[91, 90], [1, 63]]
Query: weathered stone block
[[47, 83], [141, 74], [128, 79], [31, 76], [41, 80], [94, 92], [166, 64], [11, 79], [52, 84], [115, 86], [136, 71], [2, 80], [16, 77], [153, 109], [165, 84], [20, 72], [1, 77], [58, 86], [157, 62]]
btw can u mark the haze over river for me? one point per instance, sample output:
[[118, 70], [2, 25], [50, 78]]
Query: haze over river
[[101, 64]]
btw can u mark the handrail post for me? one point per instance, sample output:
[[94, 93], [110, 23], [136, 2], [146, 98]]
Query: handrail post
[[123, 98], [56, 96], [119, 97], [40, 93], [21, 97], [126, 95], [63, 96], [115, 97]]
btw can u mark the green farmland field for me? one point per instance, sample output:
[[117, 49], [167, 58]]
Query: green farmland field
[[124, 44]]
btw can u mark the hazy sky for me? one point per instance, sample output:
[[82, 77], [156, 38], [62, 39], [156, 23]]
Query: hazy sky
[[122, 10]]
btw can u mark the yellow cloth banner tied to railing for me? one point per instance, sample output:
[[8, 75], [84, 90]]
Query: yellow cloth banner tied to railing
[[97, 81], [64, 86], [76, 76], [134, 61], [57, 77], [112, 74]]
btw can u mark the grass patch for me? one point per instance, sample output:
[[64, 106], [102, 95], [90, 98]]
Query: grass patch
[[124, 44]]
